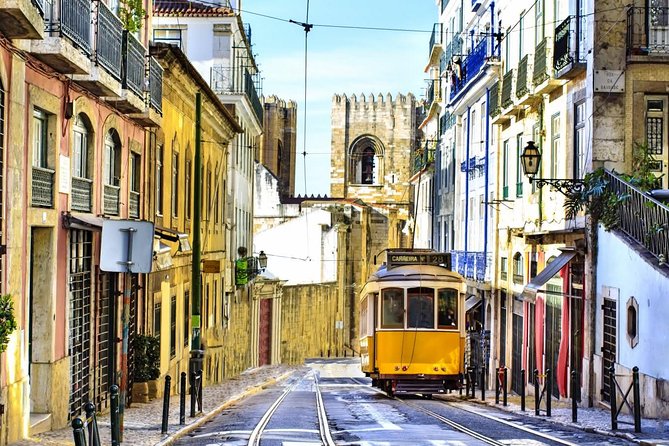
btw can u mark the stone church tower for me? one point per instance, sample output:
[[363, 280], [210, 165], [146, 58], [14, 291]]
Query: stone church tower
[[372, 142]]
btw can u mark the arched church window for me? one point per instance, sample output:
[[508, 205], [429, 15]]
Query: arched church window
[[367, 166]]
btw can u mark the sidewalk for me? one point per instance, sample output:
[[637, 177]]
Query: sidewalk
[[143, 421], [590, 419]]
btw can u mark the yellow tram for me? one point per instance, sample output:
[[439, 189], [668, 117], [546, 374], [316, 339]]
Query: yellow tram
[[412, 331]]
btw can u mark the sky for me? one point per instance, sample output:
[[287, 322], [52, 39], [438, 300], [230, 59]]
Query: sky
[[339, 61]]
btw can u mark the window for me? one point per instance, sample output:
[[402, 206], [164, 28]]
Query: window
[[112, 168], [159, 180], [533, 265], [392, 308], [447, 308], [521, 31], [188, 188], [632, 322], [538, 22], [156, 318], [519, 165], [135, 171], [420, 312], [207, 206], [173, 36], [555, 145], [216, 201], [80, 148], [518, 276], [365, 161], [503, 268], [505, 170], [173, 327], [175, 184], [40, 138], [579, 140], [186, 316]]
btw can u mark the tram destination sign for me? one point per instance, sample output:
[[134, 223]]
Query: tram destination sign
[[398, 258]]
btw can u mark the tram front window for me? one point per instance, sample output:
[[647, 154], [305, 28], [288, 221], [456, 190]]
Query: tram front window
[[447, 309], [392, 315], [421, 308]]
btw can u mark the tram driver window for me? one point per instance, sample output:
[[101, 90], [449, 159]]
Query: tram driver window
[[421, 308], [447, 312], [392, 314]]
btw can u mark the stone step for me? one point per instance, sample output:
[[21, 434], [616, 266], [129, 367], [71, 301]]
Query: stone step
[[39, 423]]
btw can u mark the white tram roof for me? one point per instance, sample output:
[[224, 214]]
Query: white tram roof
[[412, 273]]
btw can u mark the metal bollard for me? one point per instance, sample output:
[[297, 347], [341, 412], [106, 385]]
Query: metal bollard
[[497, 370], [93, 432], [166, 405], [473, 381], [114, 415], [462, 380], [182, 399], [537, 395], [637, 399], [483, 383], [199, 391], [78, 432], [574, 409], [549, 391], [193, 391], [522, 390], [612, 398], [505, 385]]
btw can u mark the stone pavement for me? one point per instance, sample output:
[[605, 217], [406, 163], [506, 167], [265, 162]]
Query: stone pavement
[[143, 421]]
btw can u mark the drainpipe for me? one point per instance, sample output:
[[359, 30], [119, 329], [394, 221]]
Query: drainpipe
[[492, 28], [467, 142], [487, 158]]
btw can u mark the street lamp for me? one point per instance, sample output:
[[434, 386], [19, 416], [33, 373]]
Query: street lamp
[[262, 260], [531, 160]]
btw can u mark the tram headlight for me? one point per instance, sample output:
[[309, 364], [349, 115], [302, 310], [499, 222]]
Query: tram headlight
[[397, 368], [404, 368]]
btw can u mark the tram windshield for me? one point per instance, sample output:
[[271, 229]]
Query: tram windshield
[[447, 309], [393, 308], [421, 308]]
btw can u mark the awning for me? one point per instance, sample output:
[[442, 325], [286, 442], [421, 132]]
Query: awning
[[174, 236], [530, 290], [472, 301], [86, 222], [162, 258]]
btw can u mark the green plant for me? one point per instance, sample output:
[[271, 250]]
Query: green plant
[[131, 13], [7, 320], [146, 357]]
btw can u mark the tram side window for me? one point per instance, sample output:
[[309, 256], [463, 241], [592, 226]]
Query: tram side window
[[363, 317], [421, 308], [448, 308], [393, 308]]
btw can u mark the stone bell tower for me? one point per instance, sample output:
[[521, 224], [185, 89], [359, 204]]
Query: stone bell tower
[[372, 141]]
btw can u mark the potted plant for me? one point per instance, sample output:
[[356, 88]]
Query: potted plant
[[146, 366], [7, 320]]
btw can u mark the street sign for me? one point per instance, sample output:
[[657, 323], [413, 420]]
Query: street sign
[[397, 258], [127, 246]]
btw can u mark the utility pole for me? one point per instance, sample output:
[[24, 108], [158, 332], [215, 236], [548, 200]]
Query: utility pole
[[196, 353]]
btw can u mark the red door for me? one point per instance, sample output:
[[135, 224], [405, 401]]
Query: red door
[[265, 350]]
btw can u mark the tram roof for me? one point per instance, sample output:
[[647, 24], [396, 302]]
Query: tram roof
[[414, 272]]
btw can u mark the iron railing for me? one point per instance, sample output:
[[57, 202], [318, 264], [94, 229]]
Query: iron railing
[[229, 80], [446, 121], [472, 65], [74, 23], [155, 84], [566, 49], [647, 30], [641, 217], [540, 66], [454, 49], [494, 103], [518, 279], [111, 199], [247, 31], [133, 204], [472, 265], [133, 64], [521, 81], [42, 187], [108, 40], [436, 37], [41, 6], [433, 91], [424, 156], [82, 194], [507, 89]]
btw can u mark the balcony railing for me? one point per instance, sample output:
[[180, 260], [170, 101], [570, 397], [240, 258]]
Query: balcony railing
[[133, 64], [424, 156], [495, 107], [642, 218], [647, 31], [567, 54], [227, 80], [507, 89], [518, 279], [446, 121], [471, 66], [82, 194], [111, 199], [42, 187], [454, 49], [155, 84], [540, 67], [436, 37], [521, 81], [108, 40], [133, 204], [472, 265], [74, 22], [433, 91], [503, 275]]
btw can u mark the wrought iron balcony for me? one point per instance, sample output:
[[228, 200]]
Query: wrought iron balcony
[[133, 64], [111, 199], [42, 187], [518, 279], [73, 22], [464, 72], [568, 60], [436, 38], [82, 196], [228, 80], [648, 31], [433, 91], [446, 121], [454, 48], [471, 265], [642, 218], [133, 204], [424, 156], [108, 41], [155, 84]]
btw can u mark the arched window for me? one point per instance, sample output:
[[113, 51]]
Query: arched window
[[518, 276], [80, 147], [112, 172], [365, 161]]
